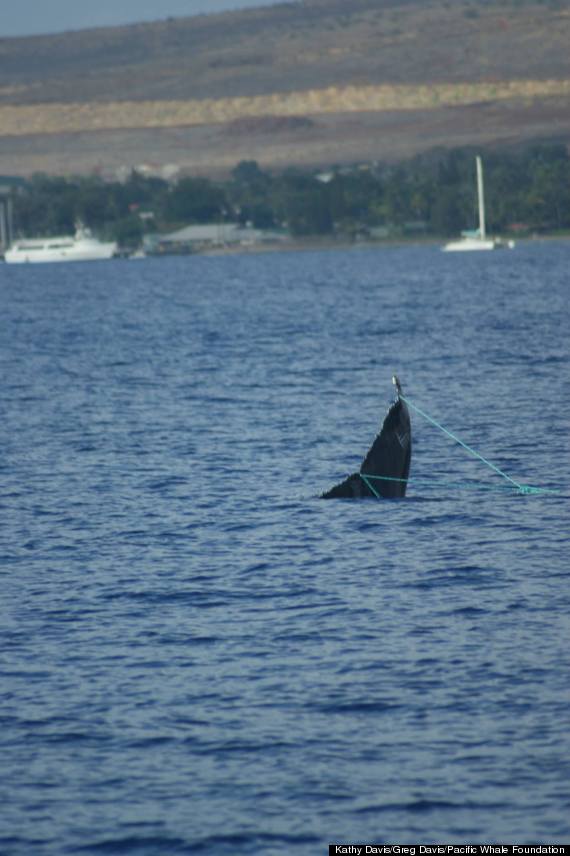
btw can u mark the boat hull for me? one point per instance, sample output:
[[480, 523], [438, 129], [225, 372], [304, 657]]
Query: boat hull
[[468, 245], [25, 252]]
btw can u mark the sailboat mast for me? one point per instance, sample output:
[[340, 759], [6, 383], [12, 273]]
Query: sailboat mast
[[481, 198]]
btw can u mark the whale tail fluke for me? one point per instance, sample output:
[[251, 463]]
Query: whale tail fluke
[[385, 470]]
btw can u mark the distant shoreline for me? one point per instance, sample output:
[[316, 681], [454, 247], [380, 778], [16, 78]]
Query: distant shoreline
[[326, 245], [322, 245]]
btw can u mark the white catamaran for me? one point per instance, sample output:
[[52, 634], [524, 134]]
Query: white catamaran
[[477, 240]]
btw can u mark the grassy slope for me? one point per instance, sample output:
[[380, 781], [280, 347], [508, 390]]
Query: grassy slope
[[320, 57]]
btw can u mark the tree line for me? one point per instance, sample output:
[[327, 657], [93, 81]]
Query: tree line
[[525, 190]]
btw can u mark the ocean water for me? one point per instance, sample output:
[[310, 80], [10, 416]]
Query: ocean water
[[198, 655]]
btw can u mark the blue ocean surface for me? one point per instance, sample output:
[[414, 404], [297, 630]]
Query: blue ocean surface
[[200, 656]]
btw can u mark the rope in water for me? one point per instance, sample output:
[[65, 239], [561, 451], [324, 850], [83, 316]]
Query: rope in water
[[514, 485], [370, 486], [366, 477], [461, 443]]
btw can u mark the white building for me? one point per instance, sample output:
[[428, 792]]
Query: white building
[[210, 235]]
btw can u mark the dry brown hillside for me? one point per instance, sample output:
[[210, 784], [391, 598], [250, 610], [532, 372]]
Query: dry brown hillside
[[310, 82]]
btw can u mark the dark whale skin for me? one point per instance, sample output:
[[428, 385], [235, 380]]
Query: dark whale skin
[[389, 456]]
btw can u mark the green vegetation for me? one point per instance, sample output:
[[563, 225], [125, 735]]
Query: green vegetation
[[435, 195]]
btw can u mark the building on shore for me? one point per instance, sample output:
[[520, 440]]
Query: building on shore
[[211, 236]]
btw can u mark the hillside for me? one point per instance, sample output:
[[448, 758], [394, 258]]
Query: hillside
[[314, 82]]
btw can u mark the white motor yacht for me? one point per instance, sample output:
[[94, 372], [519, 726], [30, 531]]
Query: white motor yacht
[[81, 247]]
